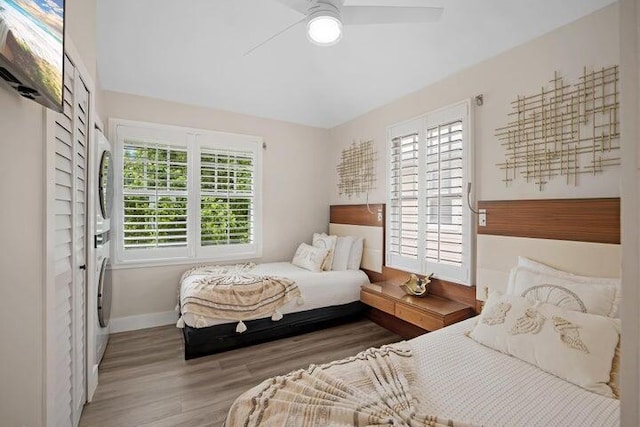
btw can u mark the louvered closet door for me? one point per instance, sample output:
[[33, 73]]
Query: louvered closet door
[[81, 114], [70, 251]]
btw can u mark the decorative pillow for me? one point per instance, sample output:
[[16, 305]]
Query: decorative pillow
[[575, 346], [567, 292], [355, 256], [341, 253], [310, 257], [614, 377], [547, 269], [325, 242]]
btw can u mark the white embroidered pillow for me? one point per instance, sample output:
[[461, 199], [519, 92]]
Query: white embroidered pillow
[[575, 346], [310, 257], [547, 269], [565, 291], [325, 242]]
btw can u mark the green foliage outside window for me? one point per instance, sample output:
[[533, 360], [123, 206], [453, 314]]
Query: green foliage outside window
[[155, 198]]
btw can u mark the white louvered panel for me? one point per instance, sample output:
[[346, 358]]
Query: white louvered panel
[[64, 209], [404, 197], [227, 184], [444, 194], [63, 151], [155, 196], [81, 127]]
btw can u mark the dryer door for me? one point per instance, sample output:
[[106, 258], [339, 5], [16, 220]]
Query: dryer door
[[104, 294], [105, 184]]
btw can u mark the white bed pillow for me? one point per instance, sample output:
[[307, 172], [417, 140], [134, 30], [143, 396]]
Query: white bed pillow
[[325, 242], [355, 256], [547, 269], [310, 257], [568, 292], [575, 346], [341, 253]]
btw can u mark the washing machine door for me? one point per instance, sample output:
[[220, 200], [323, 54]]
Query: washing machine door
[[104, 294], [105, 184]]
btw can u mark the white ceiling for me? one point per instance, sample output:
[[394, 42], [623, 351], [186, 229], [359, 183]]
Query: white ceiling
[[191, 51]]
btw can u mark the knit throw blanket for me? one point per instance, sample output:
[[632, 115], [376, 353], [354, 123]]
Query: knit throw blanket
[[370, 389], [232, 292]]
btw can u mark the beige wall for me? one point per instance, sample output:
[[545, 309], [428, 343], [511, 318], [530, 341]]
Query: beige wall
[[591, 41], [80, 25], [295, 198], [21, 262]]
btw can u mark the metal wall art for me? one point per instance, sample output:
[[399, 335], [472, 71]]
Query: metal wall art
[[564, 131], [356, 171]]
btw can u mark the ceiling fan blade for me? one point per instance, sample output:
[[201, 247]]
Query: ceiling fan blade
[[301, 6], [367, 15], [279, 33]]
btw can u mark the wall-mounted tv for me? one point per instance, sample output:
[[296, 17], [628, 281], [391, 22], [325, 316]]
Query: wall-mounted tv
[[32, 49]]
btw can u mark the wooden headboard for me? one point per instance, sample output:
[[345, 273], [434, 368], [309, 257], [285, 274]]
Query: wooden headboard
[[367, 221], [577, 235]]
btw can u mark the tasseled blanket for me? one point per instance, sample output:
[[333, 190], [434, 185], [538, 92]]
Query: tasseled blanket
[[373, 388], [233, 293]]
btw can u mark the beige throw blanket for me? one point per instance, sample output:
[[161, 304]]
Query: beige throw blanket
[[232, 292], [370, 389]]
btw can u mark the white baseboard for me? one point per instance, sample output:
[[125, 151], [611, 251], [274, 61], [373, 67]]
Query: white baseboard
[[143, 321]]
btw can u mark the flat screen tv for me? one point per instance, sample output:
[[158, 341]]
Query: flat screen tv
[[32, 49]]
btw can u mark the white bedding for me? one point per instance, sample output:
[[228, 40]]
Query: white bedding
[[465, 381], [323, 289]]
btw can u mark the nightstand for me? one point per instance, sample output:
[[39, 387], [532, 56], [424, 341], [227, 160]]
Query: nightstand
[[422, 314]]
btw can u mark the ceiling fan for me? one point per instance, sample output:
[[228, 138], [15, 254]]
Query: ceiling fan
[[325, 18]]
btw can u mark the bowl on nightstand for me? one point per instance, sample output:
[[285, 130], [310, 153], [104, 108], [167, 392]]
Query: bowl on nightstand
[[416, 286]]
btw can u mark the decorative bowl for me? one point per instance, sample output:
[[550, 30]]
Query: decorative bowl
[[416, 286]]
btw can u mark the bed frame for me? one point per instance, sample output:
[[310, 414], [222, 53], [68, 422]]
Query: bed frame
[[359, 220], [577, 235]]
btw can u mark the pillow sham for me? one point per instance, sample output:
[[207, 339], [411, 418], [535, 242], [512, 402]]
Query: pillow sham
[[310, 257], [355, 256], [564, 291], [341, 253], [574, 346], [547, 269], [325, 242]]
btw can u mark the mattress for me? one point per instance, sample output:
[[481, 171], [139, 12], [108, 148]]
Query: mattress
[[324, 289], [466, 381]]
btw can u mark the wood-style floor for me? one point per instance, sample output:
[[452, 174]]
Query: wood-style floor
[[145, 381]]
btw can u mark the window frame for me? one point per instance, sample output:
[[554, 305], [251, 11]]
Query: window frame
[[420, 124], [194, 140]]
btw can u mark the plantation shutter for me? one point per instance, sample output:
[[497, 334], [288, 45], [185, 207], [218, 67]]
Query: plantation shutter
[[404, 215], [444, 194], [155, 196], [429, 228], [227, 192]]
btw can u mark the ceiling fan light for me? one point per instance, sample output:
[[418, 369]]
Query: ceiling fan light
[[324, 30]]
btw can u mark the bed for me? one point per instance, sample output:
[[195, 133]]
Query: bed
[[461, 380], [328, 298], [552, 360]]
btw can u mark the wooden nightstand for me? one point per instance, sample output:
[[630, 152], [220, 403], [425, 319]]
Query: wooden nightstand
[[427, 314]]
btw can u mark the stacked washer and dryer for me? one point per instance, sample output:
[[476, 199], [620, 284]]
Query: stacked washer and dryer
[[102, 245], [99, 295]]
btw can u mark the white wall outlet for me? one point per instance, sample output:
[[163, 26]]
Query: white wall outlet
[[482, 218], [379, 216]]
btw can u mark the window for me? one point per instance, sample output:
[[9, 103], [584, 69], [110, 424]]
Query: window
[[185, 194], [428, 225]]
